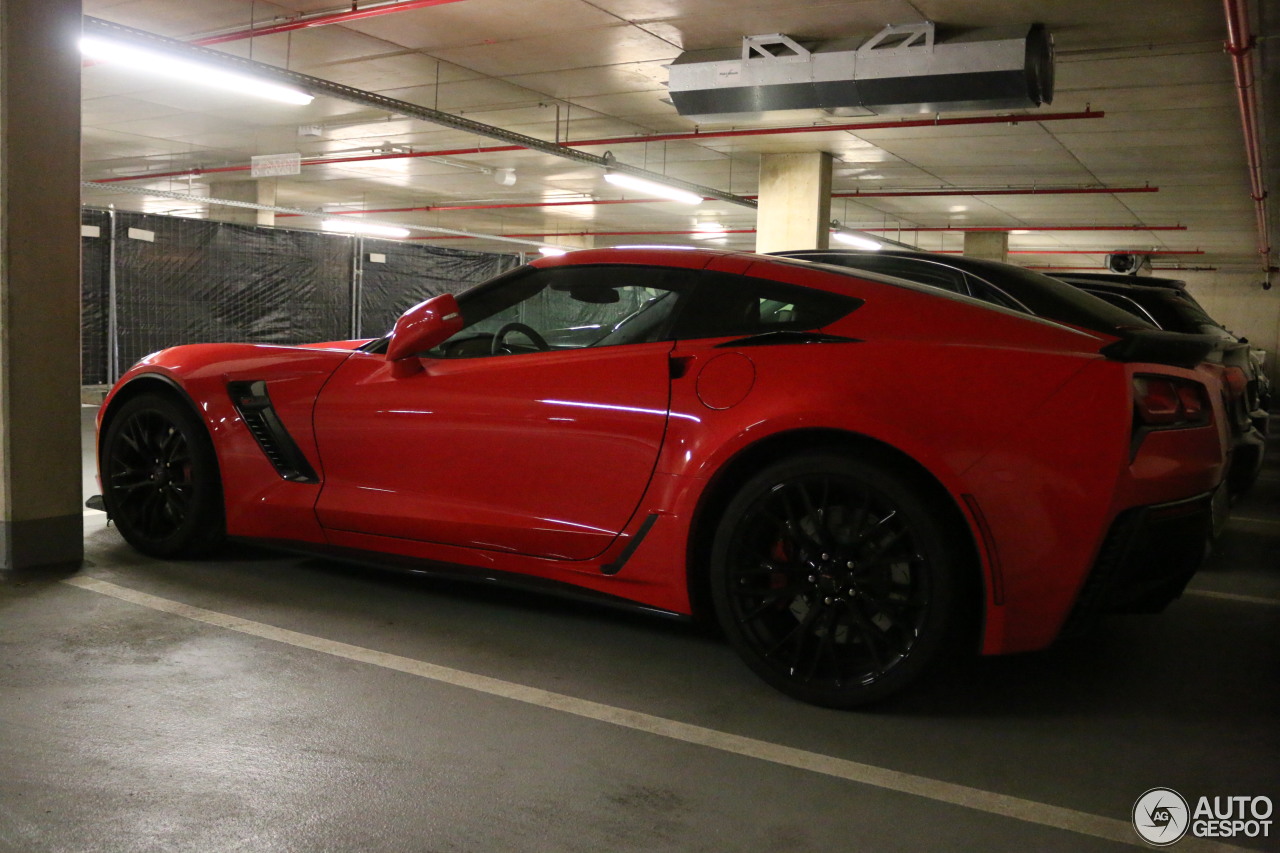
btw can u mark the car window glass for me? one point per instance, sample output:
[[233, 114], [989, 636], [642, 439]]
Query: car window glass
[[1054, 299], [727, 305], [565, 308], [921, 272], [980, 289], [1168, 309], [1127, 304]]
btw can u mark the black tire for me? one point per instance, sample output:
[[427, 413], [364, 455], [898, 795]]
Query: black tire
[[837, 580], [160, 478]]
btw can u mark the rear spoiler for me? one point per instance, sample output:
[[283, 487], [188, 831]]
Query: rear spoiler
[[1160, 347]]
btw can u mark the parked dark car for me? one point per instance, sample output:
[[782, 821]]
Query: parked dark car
[[1167, 308], [1172, 309], [991, 281], [1124, 278]]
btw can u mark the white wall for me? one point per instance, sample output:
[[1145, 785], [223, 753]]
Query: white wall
[[1237, 301]]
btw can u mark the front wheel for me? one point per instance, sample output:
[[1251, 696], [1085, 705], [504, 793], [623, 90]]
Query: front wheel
[[160, 479], [836, 579]]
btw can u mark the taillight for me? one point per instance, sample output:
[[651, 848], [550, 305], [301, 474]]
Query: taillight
[[1237, 382], [1166, 401]]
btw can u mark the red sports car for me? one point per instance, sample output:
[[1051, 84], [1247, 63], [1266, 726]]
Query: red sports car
[[855, 474]]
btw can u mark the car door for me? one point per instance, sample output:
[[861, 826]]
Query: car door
[[534, 430]]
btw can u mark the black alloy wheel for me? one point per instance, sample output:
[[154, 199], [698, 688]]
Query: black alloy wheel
[[835, 579], [160, 478]]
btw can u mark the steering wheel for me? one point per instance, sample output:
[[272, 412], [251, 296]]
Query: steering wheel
[[537, 339]]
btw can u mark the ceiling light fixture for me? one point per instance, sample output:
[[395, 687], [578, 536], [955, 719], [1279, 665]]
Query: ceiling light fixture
[[709, 231], [351, 226], [857, 241], [631, 182], [167, 66], [552, 251]]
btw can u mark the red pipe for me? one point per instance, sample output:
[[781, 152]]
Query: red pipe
[[851, 128], [486, 206], [1239, 45], [312, 161], [765, 131], [867, 230], [319, 20], [595, 201], [1010, 191], [967, 229], [707, 234], [1136, 279]]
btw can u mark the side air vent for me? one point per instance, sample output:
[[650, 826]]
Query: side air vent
[[254, 406]]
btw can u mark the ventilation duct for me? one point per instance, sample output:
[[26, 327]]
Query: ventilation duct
[[902, 69]]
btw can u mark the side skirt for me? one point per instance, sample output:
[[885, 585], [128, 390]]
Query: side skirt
[[458, 572]]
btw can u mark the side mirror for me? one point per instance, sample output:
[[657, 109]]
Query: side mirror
[[419, 329]]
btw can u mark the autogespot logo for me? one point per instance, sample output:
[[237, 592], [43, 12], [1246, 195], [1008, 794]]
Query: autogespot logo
[[1160, 816]]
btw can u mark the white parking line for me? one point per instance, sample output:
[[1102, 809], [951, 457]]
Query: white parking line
[[1231, 596], [1017, 808]]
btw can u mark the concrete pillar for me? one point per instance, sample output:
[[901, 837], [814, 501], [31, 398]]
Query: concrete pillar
[[988, 245], [795, 202], [262, 191], [41, 514]]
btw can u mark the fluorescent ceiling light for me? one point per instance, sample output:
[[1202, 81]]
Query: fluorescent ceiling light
[[552, 251], [710, 231], [856, 241], [352, 226], [630, 182], [166, 66]]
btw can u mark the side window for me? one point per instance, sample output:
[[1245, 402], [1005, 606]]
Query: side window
[[980, 289], [727, 305], [561, 308], [1127, 304]]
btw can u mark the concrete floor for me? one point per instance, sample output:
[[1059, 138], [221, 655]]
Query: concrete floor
[[268, 703]]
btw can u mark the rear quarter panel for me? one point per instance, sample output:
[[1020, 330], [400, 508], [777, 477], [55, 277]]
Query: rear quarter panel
[[1022, 423]]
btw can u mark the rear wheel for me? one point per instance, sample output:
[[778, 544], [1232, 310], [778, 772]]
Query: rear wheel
[[836, 579], [160, 478]]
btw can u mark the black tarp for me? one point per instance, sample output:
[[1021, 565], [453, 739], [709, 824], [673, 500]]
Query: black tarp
[[410, 273], [95, 283], [183, 281], [207, 282]]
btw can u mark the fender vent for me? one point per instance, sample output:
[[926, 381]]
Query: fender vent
[[254, 406]]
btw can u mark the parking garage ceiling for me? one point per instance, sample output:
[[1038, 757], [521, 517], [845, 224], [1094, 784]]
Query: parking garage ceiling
[[1141, 150]]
